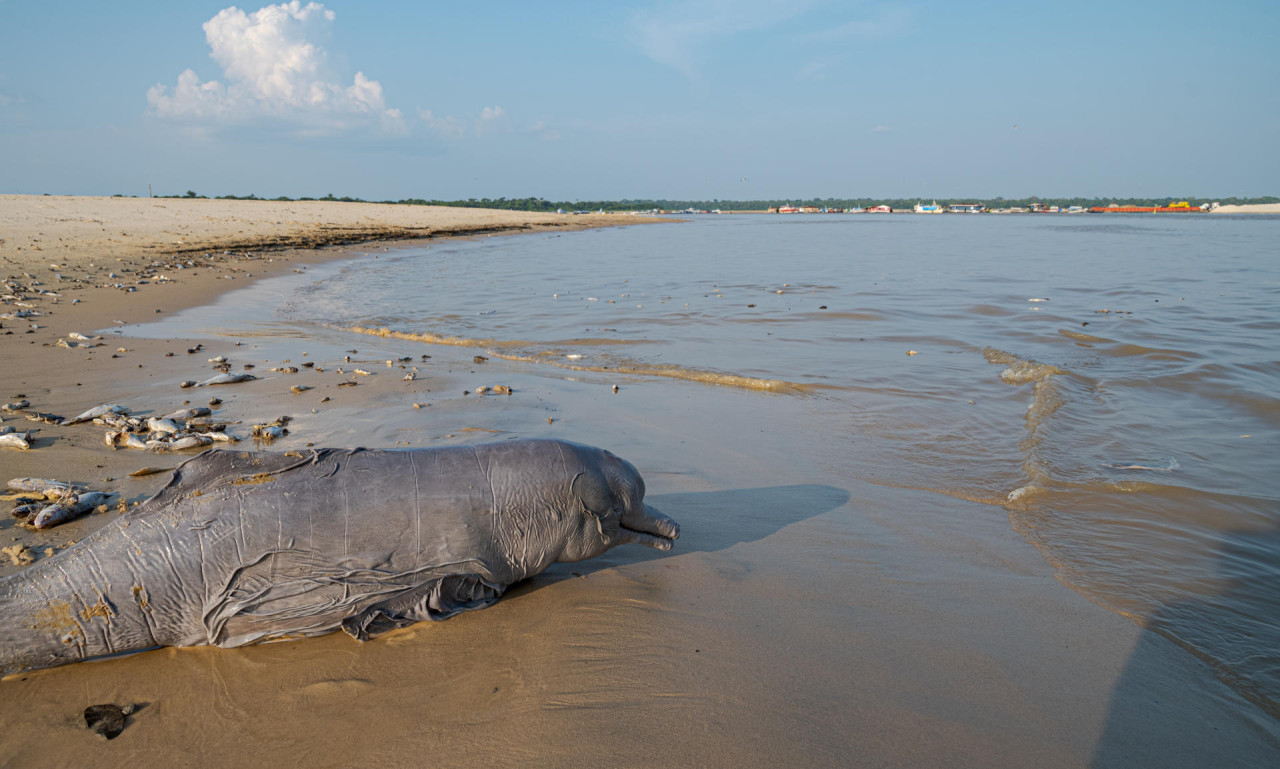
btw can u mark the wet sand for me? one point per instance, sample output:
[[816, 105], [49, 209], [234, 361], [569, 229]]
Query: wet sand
[[935, 636]]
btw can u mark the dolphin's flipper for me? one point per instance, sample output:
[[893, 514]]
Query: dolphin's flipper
[[434, 600]]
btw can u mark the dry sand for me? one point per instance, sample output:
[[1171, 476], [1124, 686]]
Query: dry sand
[[932, 636], [1254, 208]]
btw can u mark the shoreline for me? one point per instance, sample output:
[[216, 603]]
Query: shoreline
[[802, 618], [44, 238]]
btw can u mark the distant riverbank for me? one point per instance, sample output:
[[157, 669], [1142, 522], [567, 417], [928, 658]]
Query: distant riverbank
[[1255, 208]]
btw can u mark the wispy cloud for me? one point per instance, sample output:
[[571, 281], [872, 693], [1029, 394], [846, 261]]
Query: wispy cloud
[[884, 22], [678, 35], [274, 72], [447, 126], [830, 48], [490, 121]]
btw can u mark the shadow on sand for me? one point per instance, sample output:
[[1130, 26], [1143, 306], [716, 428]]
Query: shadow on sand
[[709, 521], [1225, 650]]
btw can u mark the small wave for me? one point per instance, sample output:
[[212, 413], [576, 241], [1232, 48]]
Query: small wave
[[551, 357], [1080, 336], [1168, 466], [805, 317], [496, 344], [1020, 371], [672, 372]]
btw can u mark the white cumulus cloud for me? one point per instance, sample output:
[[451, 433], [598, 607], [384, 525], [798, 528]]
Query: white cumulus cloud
[[274, 71]]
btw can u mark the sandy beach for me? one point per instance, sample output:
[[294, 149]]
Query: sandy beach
[[928, 638], [1255, 208]]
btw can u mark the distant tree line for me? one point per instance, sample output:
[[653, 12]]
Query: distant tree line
[[540, 204]]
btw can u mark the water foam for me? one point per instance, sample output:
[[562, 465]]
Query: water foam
[[546, 354]]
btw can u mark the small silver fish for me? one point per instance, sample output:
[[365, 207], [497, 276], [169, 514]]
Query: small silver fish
[[191, 413], [69, 508], [49, 489], [165, 425], [269, 432], [95, 412], [226, 379], [16, 441], [189, 442]]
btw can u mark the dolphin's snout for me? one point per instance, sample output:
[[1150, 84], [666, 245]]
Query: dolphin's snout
[[663, 524], [651, 521]]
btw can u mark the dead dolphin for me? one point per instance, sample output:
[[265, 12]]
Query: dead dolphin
[[244, 547]]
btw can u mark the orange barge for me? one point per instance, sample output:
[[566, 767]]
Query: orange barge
[[1173, 208]]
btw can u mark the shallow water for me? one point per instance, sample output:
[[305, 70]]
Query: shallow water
[[1111, 380]]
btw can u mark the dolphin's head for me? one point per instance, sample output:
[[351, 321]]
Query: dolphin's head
[[608, 509]]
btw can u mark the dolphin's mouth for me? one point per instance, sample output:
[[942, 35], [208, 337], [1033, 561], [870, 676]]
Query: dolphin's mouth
[[651, 528], [656, 541]]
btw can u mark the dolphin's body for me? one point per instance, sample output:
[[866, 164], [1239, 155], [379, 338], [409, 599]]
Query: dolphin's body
[[244, 547]]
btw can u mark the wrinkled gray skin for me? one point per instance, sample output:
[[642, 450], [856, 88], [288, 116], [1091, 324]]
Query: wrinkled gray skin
[[246, 547]]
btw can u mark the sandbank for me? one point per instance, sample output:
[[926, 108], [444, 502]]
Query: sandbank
[[1252, 208], [803, 619]]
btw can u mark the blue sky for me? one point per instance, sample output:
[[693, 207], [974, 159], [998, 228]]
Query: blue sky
[[728, 99]]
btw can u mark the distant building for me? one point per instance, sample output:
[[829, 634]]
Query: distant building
[[882, 209], [966, 208]]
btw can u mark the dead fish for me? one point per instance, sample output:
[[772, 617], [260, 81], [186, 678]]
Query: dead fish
[[148, 471], [362, 372], [16, 441], [409, 377], [167, 426], [221, 379], [501, 390], [81, 337], [286, 369], [189, 442], [50, 489], [300, 388], [222, 437], [75, 345], [26, 509], [119, 439], [69, 508], [16, 406], [132, 441], [219, 359], [48, 419], [191, 413], [270, 431], [96, 411]]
